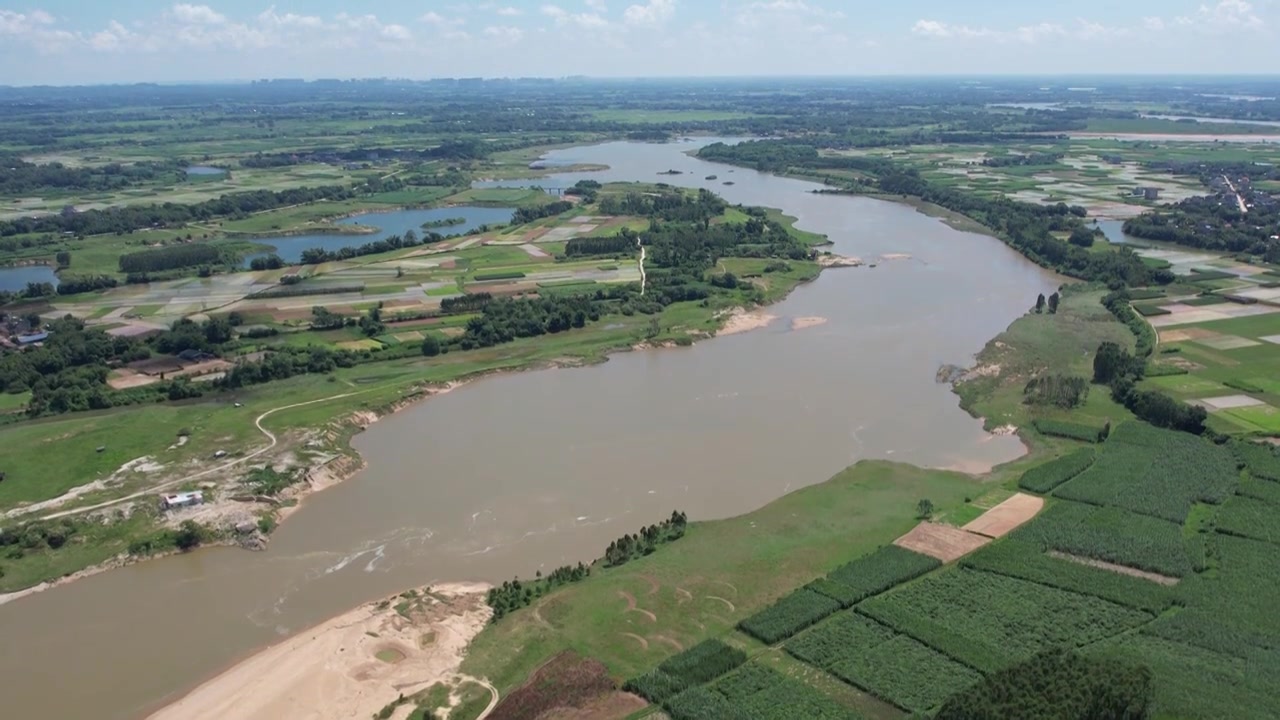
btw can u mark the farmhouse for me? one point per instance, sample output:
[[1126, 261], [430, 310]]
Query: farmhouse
[[179, 500]]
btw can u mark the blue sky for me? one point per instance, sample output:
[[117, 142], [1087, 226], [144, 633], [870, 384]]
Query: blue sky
[[97, 41]]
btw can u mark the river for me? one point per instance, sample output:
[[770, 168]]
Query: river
[[531, 470]]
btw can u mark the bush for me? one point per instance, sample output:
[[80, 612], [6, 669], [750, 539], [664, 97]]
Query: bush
[[507, 275]]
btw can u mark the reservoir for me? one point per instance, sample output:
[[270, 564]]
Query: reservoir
[[204, 171], [528, 471], [396, 222]]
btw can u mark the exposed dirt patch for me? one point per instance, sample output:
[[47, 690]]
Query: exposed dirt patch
[[1003, 518], [653, 584], [683, 595], [631, 606], [1123, 570], [944, 542], [566, 685]]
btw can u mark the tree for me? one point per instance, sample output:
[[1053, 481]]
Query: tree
[[1053, 304], [924, 509], [1081, 237], [430, 346], [410, 237], [189, 535], [1111, 362], [64, 259], [1040, 303]]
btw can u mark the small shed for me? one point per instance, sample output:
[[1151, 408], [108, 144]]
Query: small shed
[[33, 338], [178, 500]]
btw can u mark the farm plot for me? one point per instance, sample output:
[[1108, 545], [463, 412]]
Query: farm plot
[[1044, 478], [1014, 618], [1243, 594], [881, 570], [1261, 460], [789, 616], [1003, 518], [1250, 518], [833, 641], [943, 542], [699, 664], [760, 693], [1164, 473], [1112, 535], [905, 672], [1025, 561]]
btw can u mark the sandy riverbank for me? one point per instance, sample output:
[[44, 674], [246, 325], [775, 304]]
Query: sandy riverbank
[[741, 320], [351, 666]]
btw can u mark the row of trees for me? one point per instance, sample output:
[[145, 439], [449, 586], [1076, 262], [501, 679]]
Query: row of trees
[[1212, 223], [171, 257], [629, 547], [317, 255], [125, 219], [529, 214]]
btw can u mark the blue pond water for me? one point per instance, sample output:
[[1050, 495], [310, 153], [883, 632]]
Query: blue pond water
[[14, 279], [396, 222], [203, 170]]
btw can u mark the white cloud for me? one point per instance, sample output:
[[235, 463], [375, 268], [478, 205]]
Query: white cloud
[[435, 18], [197, 14], [510, 12], [655, 12], [583, 20], [1026, 34], [396, 32], [1230, 14], [1153, 24], [597, 5], [504, 33], [936, 29]]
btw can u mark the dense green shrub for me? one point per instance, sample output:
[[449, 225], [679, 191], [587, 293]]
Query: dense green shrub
[[1068, 429], [789, 616]]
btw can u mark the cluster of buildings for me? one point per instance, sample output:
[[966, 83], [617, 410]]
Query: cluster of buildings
[[17, 333]]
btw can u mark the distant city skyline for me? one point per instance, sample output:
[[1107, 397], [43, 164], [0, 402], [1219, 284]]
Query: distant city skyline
[[65, 42]]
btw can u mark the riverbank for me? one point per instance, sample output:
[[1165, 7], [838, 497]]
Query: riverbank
[[351, 666]]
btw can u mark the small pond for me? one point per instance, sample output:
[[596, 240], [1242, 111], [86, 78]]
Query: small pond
[[396, 222], [204, 170], [15, 279]]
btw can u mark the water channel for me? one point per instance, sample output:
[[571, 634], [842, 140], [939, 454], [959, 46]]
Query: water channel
[[532, 470]]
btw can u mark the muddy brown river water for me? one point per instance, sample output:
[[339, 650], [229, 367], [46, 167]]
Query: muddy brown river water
[[531, 470]]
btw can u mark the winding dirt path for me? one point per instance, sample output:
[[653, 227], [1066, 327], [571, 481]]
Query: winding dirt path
[[272, 442], [642, 275], [631, 606], [493, 694]]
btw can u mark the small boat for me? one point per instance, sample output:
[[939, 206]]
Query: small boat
[[711, 177]]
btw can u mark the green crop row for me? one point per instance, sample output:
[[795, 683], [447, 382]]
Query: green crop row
[[1043, 478], [699, 664], [1149, 310], [840, 637], [1145, 294], [789, 616], [507, 275], [881, 570], [1264, 490], [760, 693], [1025, 561], [1155, 472], [1110, 534], [906, 673], [1260, 460], [1066, 429], [1250, 518], [1015, 617]]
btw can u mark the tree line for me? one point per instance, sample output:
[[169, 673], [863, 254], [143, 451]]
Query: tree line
[[126, 219]]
